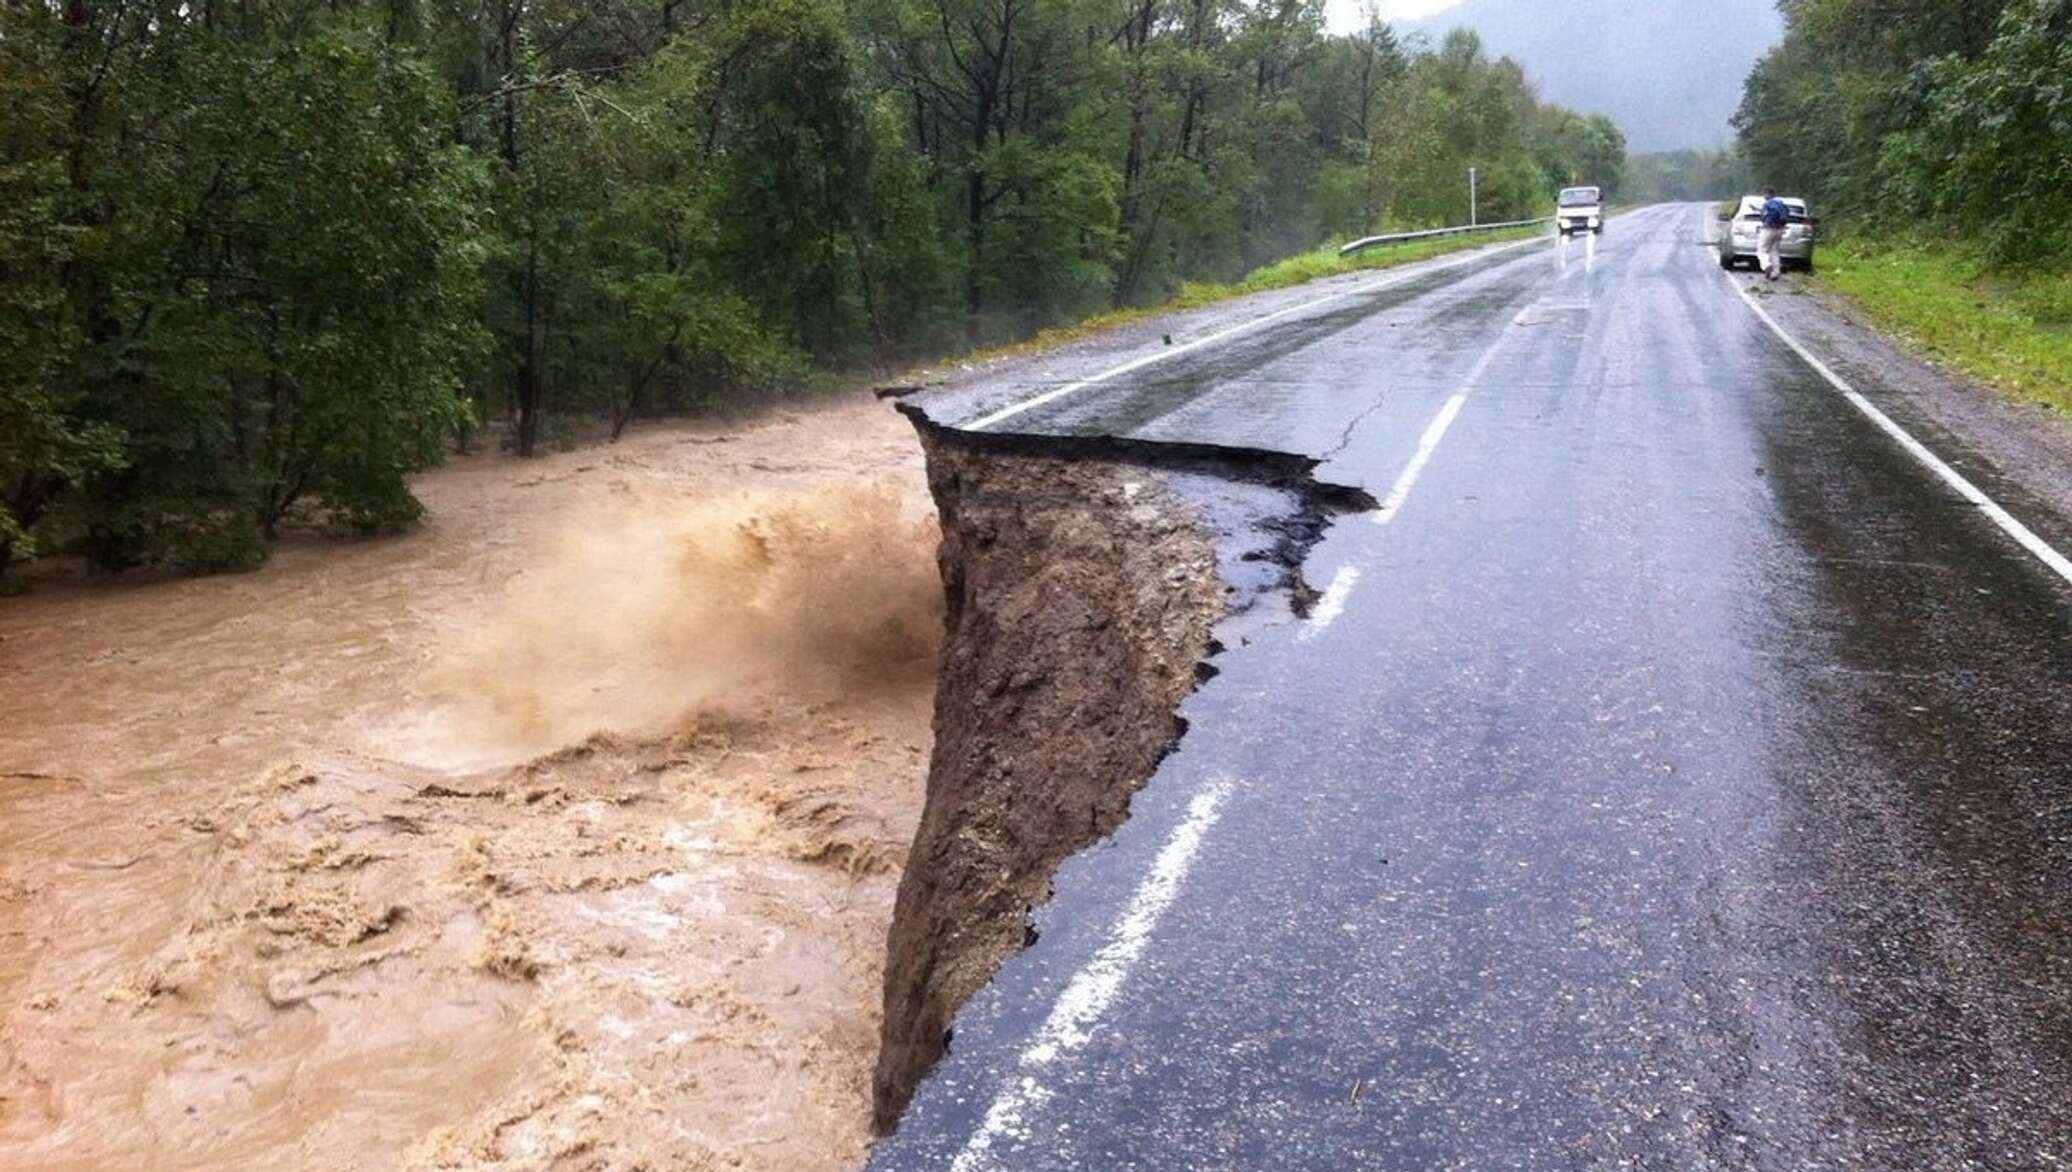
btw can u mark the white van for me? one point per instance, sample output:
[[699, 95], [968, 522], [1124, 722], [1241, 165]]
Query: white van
[[1579, 209]]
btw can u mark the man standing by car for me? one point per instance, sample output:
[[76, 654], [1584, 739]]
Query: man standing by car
[[1771, 238]]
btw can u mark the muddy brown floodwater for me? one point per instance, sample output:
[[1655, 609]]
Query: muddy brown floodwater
[[561, 833]]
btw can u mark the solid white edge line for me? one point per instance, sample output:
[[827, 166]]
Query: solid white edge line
[[1331, 604], [2022, 534], [1094, 987], [1394, 278]]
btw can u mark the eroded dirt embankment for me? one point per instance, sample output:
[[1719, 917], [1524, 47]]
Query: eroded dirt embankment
[[564, 833], [1085, 581]]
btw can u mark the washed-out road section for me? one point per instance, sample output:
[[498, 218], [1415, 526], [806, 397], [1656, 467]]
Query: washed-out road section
[[1675, 771]]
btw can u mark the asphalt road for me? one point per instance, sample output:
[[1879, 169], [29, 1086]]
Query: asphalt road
[[1677, 775]]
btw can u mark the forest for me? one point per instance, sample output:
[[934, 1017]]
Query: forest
[[1925, 118], [261, 259]]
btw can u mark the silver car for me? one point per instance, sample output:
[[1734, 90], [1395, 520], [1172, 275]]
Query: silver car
[[1738, 235]]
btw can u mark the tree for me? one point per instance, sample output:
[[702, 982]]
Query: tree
[[1001, 95], [1892, 112], [45, 448], [302, 330], [1991, 150], [257, 259], [259, 276]]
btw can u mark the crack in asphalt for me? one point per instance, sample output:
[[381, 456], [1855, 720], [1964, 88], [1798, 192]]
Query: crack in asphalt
[[1345, 438]]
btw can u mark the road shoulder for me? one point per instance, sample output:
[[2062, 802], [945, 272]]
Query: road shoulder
[[2024, 449]]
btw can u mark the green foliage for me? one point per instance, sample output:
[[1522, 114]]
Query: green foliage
[[2011, 331], [1326, 262], [1084, 160], [793, 154], [297, 325], [1287, 272], [1006, 103], [238, 271], [1992, 150], [1460, 109], [45, 446], [1888, 113], [260, 261]]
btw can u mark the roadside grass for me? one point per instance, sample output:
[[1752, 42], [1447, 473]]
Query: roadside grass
[[1299, 269], [2011, 331]]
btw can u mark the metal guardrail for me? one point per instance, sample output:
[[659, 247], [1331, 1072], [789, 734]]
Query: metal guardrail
[[1433, 233]]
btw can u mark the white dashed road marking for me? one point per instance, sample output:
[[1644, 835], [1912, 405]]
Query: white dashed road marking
[[1426, 445], [1332, 604], [1429, 442]]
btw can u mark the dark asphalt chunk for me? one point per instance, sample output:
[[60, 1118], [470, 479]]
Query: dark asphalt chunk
[[1687, 784]]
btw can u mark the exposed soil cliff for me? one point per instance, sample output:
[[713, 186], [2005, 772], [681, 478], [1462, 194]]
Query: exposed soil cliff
[[1084, 582]]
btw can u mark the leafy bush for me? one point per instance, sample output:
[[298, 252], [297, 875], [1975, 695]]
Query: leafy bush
[[260, 261], [272, 296], [1958, 113]]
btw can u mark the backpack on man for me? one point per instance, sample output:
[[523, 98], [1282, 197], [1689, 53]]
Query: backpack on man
[[1770, 240]]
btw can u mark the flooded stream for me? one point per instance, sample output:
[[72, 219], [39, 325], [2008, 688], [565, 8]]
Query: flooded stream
[[560, 833]]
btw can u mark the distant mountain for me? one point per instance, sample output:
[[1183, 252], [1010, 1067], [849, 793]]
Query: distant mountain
[[1669, 72]]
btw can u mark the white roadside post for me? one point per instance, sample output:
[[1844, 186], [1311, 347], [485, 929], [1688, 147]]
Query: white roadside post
[[1471, 198]]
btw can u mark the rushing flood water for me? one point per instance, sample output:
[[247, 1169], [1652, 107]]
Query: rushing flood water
[[321, 866]]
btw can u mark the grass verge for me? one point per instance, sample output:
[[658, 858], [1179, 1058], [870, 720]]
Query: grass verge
[[1299, 269], [2011, 331]]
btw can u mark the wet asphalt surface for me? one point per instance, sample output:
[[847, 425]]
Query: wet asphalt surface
[[1685, 784]]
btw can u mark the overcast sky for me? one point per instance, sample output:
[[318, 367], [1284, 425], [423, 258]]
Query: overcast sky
[[1344, 15]]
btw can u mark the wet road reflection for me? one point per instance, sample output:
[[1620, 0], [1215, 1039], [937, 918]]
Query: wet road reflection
[[1564, 244], [1683, 781]]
